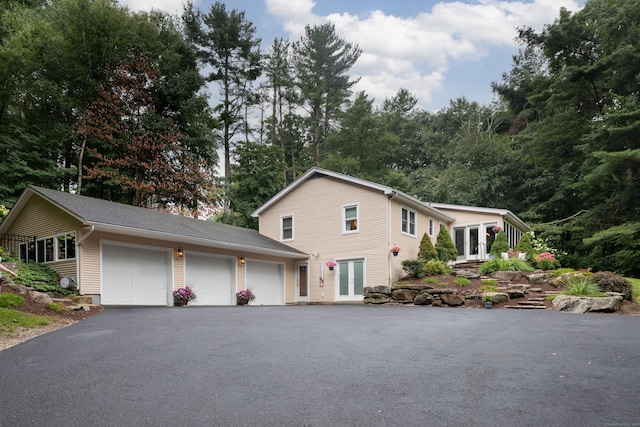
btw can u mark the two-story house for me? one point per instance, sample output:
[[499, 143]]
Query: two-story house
[[355, 224], [126, 255]]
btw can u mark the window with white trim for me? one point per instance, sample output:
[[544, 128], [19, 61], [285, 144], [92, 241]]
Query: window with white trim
[[409, 221], [286, 231], [50, 249], [350, 219]]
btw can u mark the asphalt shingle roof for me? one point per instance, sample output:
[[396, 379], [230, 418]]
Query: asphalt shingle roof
[[103, 212]]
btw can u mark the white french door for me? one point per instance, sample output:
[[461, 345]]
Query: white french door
[[350, 280]]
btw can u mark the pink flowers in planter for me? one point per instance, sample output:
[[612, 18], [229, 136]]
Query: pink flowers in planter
[[185, 293]]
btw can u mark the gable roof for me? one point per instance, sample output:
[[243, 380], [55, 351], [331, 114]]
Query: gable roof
[[115, 217], [505, 213], [386, 190]]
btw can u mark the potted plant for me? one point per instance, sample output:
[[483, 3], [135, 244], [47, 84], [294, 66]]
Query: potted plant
[[244, 296], [331, 264], [183, 295], [394, 250], [487, 300]]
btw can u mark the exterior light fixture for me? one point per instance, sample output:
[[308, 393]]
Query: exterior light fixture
[[241, 260], [179, 252]]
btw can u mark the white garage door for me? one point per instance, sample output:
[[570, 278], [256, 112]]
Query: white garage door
[[134, 276], [266, 279], [213, 278]]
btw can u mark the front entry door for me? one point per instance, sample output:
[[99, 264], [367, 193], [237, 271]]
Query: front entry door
[[350, 280], [468, 242], [302, 282]]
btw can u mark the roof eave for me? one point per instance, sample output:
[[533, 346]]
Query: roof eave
[[181, 239]]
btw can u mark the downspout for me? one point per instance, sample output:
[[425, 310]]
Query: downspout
[[394, 194], [78, 243]]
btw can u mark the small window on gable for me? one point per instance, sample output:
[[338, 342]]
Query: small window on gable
[[431, 227], [287, 228], [350, 219], [408, 221]]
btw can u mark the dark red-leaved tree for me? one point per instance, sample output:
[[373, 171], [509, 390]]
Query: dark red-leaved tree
[[133, 153]]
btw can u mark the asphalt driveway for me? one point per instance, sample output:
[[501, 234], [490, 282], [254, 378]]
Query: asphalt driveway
[[327, 366]]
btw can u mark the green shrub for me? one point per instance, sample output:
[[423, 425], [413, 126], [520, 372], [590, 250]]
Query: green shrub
[[9, 300], [561, 271], [461, 281], [427, 251], [434, 267], [581, 286], [34, 274], [413, 268], [54, 306], [499, 264], [492, 282], [488, 288], [525, 246], [487, 298], [444, 245], [501, 244], [431, 280], [443, 284], [612, 282]]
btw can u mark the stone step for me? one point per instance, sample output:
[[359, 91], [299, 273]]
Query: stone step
[[530, 302], [537, 299], [535, 289], [526, 307], [61, 300]]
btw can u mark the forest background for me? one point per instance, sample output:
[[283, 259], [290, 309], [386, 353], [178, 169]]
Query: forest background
[[104, 102]]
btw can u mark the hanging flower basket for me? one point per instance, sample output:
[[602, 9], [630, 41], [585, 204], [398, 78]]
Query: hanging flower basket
[[395, 250], [331, 264]]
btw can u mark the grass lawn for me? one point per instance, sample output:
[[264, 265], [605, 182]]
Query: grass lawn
[[636, 289], [11, 319]]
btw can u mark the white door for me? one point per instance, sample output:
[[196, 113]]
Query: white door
[[266, 280], [135, 276], [212, 278], [350, 283]]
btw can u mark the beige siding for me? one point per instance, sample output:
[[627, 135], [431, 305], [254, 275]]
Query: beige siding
[[464, 218], [40, 219], [316, 206], [90, 249]]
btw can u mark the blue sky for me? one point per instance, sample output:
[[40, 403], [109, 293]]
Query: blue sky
[[438, 50]]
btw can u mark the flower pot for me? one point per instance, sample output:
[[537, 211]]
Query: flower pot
[[488, 304], [242, 301], [177, 302], [395, 253], [331, 268]]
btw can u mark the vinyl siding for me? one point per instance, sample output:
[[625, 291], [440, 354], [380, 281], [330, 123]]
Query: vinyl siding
[[317, 206], [40, 219], [90, 273]]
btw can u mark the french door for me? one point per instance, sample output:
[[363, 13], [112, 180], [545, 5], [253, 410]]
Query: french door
[[350, 283]]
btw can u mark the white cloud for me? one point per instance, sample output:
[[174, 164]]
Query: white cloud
[[416, 52]]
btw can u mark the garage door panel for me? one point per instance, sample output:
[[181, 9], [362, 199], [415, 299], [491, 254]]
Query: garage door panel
[[267, 281], [134, 276], [213, 278]]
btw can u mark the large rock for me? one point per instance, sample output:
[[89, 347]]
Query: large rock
[[573, 304], [40, 297], [510, 276], [403, 295], [453, 300], [423, 299], [373, 298], [538, 277], [376, 290], [515, 293], [498, 297]]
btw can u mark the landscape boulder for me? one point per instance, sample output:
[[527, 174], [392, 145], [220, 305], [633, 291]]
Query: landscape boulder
[[573, 304], [40, 297]]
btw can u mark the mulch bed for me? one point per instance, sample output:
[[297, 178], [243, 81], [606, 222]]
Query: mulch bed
[[39, 309]]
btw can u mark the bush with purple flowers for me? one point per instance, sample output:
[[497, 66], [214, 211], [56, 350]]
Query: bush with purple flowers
[[246, 295], [185, 293]]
